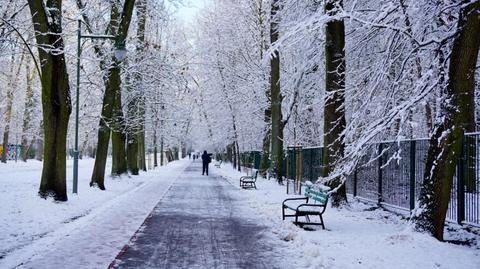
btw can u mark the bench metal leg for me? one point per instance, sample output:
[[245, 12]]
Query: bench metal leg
[[307, 219]]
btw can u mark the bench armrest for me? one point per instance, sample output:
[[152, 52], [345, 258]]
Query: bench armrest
[[244, 177], [294, 199]]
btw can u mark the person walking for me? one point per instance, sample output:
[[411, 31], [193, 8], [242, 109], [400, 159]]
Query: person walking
[[206, 159]]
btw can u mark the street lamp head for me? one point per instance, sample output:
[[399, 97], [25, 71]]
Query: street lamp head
[[120, 54]]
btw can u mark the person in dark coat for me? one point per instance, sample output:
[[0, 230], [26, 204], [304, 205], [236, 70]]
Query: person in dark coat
[[206, 159]]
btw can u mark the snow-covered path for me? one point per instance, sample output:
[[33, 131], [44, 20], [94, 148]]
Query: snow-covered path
[[201, 223], [96, 232]]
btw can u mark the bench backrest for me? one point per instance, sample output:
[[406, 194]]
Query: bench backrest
[[318, 194]]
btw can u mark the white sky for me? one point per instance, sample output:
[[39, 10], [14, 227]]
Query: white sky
[[190, 7]]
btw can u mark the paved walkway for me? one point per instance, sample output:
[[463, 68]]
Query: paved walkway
[[200, 223]]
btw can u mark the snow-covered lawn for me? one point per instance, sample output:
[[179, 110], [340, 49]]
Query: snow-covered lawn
[[90, 229], [356, 237], [87, 231]]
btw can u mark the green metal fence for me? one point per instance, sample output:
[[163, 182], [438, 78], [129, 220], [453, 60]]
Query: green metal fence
[[391, 174], [251, 159]]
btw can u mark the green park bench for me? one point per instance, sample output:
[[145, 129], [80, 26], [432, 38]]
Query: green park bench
[[313, 204], [247, 182]]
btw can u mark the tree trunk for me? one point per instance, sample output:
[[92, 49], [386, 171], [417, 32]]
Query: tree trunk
[[142, 19], [239, 164], [111, 99], [98, 176], [8, 111], [39, 143], [265, 157], [56, 104], [334, 111], [276, 100], [155, 159], [136, 112], [119, 136], [141, 148], [234, 151], [446, 142], [27, 113], [229, 154], [8, 117]]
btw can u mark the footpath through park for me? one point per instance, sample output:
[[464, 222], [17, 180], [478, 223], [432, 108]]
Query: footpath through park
[[200, 223]]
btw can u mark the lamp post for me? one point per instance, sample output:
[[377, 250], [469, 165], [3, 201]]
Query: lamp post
[[119, 54]]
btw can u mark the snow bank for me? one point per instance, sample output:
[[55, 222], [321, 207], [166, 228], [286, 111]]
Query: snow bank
[[87, 231], [356, 237]]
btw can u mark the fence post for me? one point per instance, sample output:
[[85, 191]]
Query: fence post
[[311, 164], [299, 168], [380, 163], [461, 185], [413, 146]]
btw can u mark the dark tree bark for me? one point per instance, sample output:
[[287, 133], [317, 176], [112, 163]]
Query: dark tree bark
[[136, 110], [142, 15], [155, 151], [111, 99], [56, 104], [446, 141], [276, 98], [239, 164], [264, 161], [234, 151], [119, 136], [265, 156], [334, 111]]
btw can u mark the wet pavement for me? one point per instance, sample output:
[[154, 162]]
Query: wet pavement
[[200, 223]]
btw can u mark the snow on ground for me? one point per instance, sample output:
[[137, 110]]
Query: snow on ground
[[87, 231], [357, 236], [90, 229]]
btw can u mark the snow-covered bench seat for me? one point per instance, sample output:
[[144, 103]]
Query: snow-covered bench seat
[[247, 182], [313, 204], [218, 164]]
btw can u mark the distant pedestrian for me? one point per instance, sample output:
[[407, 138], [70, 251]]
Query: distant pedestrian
[[194, 156], [189, 155], [206, 159]]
